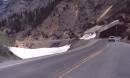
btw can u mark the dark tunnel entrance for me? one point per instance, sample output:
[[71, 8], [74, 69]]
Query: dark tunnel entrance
[[118, 30]]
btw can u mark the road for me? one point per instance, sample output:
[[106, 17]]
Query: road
[[100, 60]]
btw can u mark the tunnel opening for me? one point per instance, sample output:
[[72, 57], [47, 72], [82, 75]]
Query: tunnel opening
[[118, 31], [122, 30]]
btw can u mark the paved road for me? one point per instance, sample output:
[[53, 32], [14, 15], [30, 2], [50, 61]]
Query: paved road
[[102, 60], [114, 62]]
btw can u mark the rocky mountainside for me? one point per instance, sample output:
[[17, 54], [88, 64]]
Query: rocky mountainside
[[58, 19]]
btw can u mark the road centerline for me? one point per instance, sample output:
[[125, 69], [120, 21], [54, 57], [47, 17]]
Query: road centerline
[[82, 61]]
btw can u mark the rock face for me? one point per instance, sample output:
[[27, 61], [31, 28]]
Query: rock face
[[55, 19]]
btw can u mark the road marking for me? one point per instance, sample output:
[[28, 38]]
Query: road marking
[[83, 61]]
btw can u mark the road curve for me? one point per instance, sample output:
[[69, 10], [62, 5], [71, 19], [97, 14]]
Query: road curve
[[101, 60], [112, 63]]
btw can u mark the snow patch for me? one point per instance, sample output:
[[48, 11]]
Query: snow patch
[[26, 53], [88, 36]]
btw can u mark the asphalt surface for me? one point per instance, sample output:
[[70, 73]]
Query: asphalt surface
[[100, 60], [112, 63]]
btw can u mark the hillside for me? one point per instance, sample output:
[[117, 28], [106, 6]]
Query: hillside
[[59, 19]]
